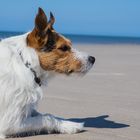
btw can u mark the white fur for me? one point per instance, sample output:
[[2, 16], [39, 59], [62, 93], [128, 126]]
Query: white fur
[[19, 93], [83, 57]]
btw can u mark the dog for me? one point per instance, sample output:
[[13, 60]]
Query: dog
[[26, 63]]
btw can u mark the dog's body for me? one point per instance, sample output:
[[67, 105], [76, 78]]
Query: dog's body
[[24, 68]]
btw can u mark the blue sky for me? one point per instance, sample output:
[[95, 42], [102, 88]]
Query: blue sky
[[93, 17]]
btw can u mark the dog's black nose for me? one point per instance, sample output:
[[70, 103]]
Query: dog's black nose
[[91, 59]]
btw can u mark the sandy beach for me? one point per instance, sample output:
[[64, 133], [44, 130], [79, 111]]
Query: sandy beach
[[107, 99]]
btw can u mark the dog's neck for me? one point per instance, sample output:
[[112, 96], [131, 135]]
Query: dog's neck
[[18, 44]]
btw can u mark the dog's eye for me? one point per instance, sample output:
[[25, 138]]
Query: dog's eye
[[65, 48]]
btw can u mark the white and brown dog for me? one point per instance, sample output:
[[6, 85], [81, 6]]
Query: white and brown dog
[[25, 63]]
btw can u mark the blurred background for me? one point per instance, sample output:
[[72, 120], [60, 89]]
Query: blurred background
[[98, 18]]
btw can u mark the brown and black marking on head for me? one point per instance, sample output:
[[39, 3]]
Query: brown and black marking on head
[[54, 50]]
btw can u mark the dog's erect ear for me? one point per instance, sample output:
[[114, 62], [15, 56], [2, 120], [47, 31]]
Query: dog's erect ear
[[52, 19], [41, 20]]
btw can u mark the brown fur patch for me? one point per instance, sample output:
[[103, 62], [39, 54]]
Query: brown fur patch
[[59, 62], [53, 49]]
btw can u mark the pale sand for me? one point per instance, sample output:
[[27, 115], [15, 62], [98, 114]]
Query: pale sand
[[107, 98]]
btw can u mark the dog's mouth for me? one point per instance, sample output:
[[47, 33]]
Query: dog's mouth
[[69, 72], [84, 69]]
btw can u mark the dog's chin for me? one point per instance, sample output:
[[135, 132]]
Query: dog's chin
[[81, 72], [85, 69]]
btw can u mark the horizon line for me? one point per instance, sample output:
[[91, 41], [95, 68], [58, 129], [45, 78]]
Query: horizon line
[[73, 34]]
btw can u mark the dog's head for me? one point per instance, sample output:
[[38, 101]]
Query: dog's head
[[54, 50]]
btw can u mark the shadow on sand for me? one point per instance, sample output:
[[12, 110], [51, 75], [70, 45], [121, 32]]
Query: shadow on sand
[[99, 122], [96, 122]]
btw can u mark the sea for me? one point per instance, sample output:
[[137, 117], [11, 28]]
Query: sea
[[87, 39]]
